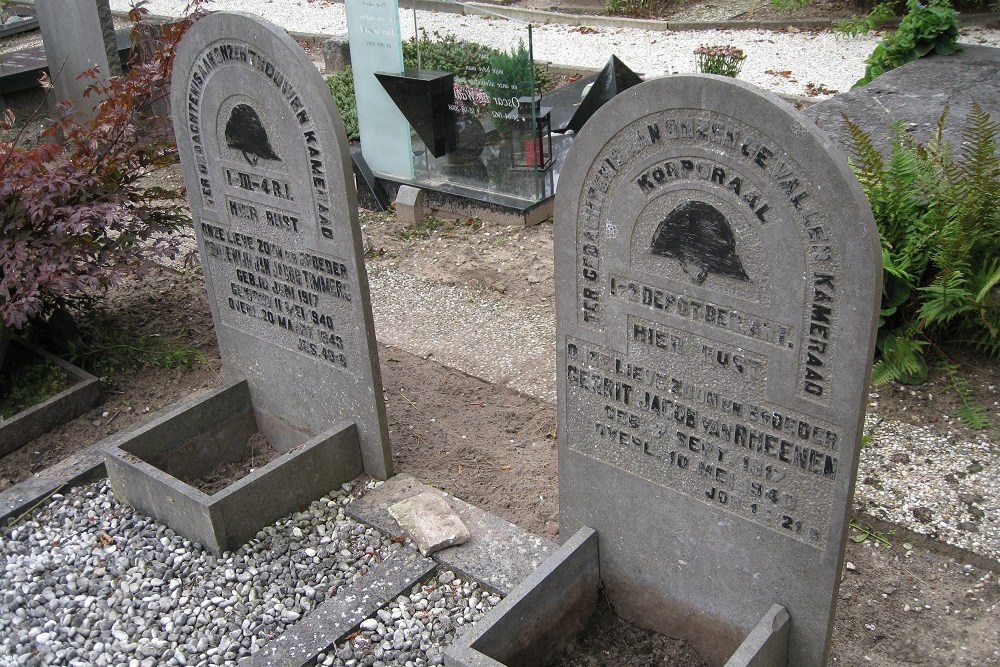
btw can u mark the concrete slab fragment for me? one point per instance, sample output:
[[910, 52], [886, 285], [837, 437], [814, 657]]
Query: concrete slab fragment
[[498, 554], [429, 521]]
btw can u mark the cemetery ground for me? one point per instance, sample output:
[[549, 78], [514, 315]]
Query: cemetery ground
[[907, 601]]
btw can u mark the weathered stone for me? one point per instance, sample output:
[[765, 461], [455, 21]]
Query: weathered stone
[[410, 205], [917, 94], [336, 53], [271, 190], [717, 282], [78, 35], [499, 554], [429, 521]]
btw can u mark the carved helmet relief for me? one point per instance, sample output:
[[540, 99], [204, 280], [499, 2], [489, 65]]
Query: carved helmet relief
[[698, 236], [245, 133]]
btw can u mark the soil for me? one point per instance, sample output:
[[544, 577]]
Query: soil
[[256, 454], [608, 640]]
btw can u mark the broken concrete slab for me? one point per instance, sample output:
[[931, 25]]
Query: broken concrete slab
[[429, 521], [498, 554]]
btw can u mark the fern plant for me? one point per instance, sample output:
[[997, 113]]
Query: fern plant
[[938, 215]]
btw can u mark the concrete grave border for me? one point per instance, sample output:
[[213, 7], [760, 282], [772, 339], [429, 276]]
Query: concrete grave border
[[226, 520], [81, 396]]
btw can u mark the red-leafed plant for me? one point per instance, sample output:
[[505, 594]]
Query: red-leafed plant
[[76, 208]]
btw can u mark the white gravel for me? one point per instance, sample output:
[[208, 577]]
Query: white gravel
[[783, 62], [88, 582]]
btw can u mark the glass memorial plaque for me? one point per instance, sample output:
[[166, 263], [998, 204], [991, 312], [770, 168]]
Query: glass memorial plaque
[[471, 122], [373, 30]]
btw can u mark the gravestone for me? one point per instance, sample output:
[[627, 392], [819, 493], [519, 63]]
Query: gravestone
[[270, 185], [717, 281], [78, 35]]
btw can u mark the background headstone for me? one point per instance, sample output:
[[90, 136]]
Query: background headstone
[[336, 53], [266, 163], [717, 282], [78, 35]]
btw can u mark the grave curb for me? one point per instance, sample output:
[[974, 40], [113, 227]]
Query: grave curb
[[82, 395], [227, 519]]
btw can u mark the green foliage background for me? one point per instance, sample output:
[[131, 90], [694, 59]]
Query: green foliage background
[[938, 214]]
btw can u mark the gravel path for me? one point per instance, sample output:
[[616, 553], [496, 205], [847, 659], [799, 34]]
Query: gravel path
[[783, 62]]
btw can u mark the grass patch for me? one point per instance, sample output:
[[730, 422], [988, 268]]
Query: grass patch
[[27, 380], [102, 349]]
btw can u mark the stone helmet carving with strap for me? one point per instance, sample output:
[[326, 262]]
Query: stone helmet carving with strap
[[245, 133], [698, 236]]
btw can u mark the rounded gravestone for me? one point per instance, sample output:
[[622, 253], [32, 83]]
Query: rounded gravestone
[[718, 276], [268, 173]]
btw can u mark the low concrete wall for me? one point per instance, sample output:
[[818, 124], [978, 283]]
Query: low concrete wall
[[227, 519], [541, 617], [65, 406]]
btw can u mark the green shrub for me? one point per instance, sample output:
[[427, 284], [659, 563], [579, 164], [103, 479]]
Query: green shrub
[[514, 72], [855, 25], [636, 7], [925, 28], [722, 60], [790, 5], [938, 216], [448, 53], [341, 86]]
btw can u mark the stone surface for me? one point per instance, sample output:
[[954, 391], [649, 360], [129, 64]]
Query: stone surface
[[334, 619], [717, 282], [917, 94], [499, 554], [767, 643], [429, 521], [269, 181], [410, 205], [336, 53], [540, 618], [78, 35]]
